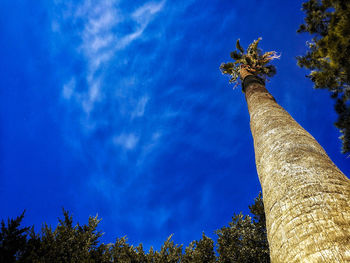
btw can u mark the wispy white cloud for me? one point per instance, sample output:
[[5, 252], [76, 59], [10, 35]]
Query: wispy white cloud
[[97, 35], [92, 95], [131, 116], [111, 105], [127, 140], [99, 38], [145, 12], [100, 43], [68, 89], [140, 107], [120, 122], [142, 16]]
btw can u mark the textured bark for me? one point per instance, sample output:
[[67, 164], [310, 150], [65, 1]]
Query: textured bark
[[306, 197]]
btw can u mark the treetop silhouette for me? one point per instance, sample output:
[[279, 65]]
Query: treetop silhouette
[[327, 56]]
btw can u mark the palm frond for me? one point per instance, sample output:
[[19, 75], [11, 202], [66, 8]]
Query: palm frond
[[254, 60]]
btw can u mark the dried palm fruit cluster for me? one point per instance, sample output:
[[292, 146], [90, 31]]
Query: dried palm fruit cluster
[[254, 61]]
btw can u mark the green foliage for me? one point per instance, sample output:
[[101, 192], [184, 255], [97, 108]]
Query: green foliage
[[328, 21], [122, 252], [12, 239], [201, 251], [68, 243], [253, 60], [244, 240], [169, 252]]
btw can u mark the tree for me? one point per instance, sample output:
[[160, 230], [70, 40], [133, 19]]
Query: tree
[[201, 251], [80, 243], [328, 21], [306, 197], [122, 252], [245, 240], [12, 239], [67, 243], [169, 252]]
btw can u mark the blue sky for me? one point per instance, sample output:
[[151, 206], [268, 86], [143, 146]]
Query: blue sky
[[118, 108]]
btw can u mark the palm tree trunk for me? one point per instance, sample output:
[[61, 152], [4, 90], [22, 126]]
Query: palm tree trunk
[[306, 197]]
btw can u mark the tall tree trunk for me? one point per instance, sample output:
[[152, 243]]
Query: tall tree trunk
[[306, 197]]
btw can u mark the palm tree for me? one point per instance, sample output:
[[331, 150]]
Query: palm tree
[[306, 197]]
